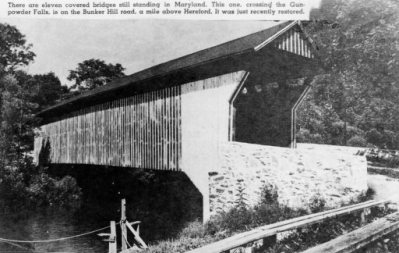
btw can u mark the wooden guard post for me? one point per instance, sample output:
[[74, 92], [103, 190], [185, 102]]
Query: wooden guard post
[[139, 244], [123, 225], [112, 248], [112, 239]]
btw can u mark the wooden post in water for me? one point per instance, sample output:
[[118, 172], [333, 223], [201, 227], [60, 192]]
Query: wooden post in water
[[123, 224], [112, 239]]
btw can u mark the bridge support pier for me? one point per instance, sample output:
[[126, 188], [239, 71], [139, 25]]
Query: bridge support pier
[[206, 213]]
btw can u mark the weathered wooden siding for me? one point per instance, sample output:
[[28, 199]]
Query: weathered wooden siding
[[294, 41], [142, 131], [151, 130]]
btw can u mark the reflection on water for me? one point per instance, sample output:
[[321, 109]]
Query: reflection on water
[[43, 225], [162, 201]]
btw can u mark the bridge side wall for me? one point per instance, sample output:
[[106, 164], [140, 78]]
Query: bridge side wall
[[141, 131], [299, 176], [146, 130], [177, 128]]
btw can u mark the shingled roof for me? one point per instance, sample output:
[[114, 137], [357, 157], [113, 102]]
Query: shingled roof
[[243, 45]]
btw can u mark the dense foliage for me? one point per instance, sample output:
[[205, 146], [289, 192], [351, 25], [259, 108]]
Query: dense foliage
[[240, 218], [94, 73], [355, 102], [14, 51], [243, 218], [23, 95]]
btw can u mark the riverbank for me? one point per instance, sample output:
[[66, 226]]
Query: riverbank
[[163, 202], [24, 186], [242, 219], [50, 223]]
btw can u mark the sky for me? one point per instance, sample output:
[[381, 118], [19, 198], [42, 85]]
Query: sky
[[60, 44]]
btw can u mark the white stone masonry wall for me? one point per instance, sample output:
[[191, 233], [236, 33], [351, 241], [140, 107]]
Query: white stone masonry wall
[[299, 176]]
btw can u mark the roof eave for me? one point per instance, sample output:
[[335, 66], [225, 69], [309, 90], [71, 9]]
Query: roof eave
[[124, 84]]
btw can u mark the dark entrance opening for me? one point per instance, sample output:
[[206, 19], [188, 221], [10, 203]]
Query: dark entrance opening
[[262, 109]]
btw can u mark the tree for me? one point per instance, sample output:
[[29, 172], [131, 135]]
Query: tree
[[21, 95], [45, 89], [15, 110], [14, 51], [359, 49], [16, 118], [94, 73]]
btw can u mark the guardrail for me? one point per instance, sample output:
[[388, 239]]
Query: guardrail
[[359, 238], [266, 232]]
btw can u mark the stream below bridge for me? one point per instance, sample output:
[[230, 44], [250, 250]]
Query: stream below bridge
[[164, 202], [49, 224]]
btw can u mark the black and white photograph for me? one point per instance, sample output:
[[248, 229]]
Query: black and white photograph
[[123, 135]]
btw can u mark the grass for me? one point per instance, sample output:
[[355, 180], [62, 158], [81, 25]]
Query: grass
[[390, 172], [196, 234], [239, 219], [242, 218], [387, 244], [323, 232]]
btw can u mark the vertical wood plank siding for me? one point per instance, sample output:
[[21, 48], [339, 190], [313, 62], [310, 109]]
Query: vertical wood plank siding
[[142, 131], [294, 42]]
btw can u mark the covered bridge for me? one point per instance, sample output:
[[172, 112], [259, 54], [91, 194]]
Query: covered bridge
[[174, 116]]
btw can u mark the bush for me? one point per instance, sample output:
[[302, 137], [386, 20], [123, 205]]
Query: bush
[[357, 141], [393, 162], [241, 197], [317, 203], [12, 188], [25, 185], [40, 189], [365, 196], [238, 219], [180, 245], [305, 136], [322, 232], [66, 192], [375, 137], [243, 218], [47, 191], [269, 194], [193, 230]]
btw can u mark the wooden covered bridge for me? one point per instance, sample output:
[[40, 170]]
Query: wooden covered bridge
[[173, 116]]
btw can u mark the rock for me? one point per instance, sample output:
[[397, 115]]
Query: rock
[[218, 178], [252, 167]]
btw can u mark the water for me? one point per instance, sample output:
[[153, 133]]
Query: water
[[43, 225], [163, 202]]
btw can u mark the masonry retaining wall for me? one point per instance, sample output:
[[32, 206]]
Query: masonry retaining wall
[[298, 175]]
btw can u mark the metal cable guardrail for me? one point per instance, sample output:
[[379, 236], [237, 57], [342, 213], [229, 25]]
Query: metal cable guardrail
[[53, 240]]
